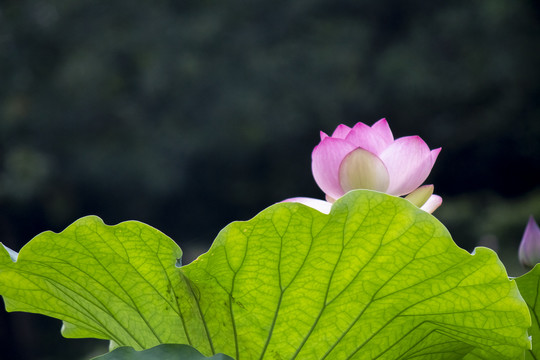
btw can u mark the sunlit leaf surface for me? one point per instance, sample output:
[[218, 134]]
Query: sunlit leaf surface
[[529, 286], [108, 282], [376, 279]]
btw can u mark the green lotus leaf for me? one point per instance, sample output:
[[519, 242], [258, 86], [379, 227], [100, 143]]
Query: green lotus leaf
[[119, 283], [529, 285], [377, 278]]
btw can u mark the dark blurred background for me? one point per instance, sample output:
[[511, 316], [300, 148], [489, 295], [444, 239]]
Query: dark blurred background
[[188, 115]]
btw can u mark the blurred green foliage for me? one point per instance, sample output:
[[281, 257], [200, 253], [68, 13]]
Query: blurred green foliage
[[162, 111]]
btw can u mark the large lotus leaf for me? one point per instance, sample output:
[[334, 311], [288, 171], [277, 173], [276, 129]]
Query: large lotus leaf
[[119, 283], [376, 279], [529, 286]]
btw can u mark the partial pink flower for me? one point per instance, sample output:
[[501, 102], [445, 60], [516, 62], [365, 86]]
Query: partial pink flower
[[529, 249], [364, 157]]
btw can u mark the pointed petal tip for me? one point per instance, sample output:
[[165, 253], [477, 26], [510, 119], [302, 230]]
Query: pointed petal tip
[[435, 153], [532, 229], [323, 135], [382, 128], [341, 131], [381, 121]]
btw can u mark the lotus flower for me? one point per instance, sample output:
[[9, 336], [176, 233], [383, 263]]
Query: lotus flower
[[529, 249], [364, 157]]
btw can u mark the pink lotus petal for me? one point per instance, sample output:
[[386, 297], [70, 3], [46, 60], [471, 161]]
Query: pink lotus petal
[[529, 249], [374, 139], [326, 160], [341, 132], [406, 162], [382, 130], [361, 169], [409, 162], [320, 205], [323, 135], [435, 154], [364, 137], [432, 204]]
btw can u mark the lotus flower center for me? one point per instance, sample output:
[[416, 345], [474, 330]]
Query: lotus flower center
[[361, 169]]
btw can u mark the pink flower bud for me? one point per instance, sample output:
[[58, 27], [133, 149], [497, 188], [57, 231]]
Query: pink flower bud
[[529, 249]]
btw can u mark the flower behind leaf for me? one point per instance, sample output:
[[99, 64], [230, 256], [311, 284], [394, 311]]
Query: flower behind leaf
[[364, 157], [529, 249]]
